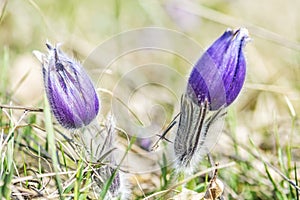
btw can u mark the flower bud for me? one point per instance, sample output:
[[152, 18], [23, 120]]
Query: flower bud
[[214, 83], [219, 74], [71, 94]]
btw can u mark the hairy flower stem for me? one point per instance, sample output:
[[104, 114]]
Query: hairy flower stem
[[98, 145]]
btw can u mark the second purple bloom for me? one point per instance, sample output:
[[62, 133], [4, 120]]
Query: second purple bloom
[[219, 74], [71, 93]]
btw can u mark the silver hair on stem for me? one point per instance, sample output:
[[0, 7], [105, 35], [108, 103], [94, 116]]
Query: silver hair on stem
[[193, 129]]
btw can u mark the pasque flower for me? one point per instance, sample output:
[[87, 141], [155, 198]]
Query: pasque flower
[[71, 94], [214, 83], [219, 74]]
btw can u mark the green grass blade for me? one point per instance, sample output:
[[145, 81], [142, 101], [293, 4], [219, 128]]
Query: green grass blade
[[4, 72], [296, 178], [164, 172], [79, 178], [51, 143], [110, 180], [8, 166]]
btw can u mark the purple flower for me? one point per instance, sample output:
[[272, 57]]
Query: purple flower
[[70, 91], [219, 74], [214, 83]]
